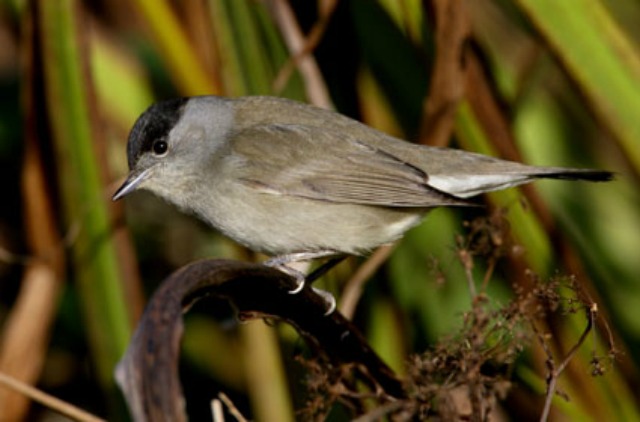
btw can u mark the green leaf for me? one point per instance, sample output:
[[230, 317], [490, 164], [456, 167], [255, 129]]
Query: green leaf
[[601, 59], [83, 192], [180, 56]]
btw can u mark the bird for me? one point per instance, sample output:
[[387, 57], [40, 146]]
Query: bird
[[297, 182]]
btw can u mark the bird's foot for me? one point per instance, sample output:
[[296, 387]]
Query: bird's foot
[[300, 282], [297, 275], [281, 262]]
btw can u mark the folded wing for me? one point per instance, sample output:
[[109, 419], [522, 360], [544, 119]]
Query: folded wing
[[321, 164]]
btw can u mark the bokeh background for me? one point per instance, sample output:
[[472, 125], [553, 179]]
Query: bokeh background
[[540, 81]]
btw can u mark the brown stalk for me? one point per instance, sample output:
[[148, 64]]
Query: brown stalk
[[26, 332], [355, 286], [301, 48], [556, 371], [231, 407], [447, 85], [47, 400]]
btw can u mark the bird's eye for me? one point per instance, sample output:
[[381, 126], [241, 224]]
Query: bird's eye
[[160, 147]]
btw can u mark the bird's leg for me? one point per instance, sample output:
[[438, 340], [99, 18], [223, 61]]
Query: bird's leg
[[280, 262], [324, 268], [319, 272]]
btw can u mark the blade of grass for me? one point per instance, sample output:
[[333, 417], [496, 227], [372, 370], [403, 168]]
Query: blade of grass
[[393, 60], [387, 335], [270, 397], [122, 88], [74, 137], [408, 16], [232, 73], [248, 41], [601, 59], [187, 70]]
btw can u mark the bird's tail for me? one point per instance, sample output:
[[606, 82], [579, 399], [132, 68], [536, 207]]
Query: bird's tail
[[505, 175], [574, 174]]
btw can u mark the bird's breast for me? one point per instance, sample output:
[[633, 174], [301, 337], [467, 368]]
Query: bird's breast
[[276, 224]]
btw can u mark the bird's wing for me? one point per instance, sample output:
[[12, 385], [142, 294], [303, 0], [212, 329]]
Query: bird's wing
[[324, 164]]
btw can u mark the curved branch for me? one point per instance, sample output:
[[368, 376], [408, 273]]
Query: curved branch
[[148, 373]]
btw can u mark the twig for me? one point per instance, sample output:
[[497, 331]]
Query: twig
[[467, 263], [380, 412], [13, 258], [301, 48], [488, 273], [554, 373], [355, 286], [66, 242], [48, 400], [216, 411], [232, 407], [447, 86]]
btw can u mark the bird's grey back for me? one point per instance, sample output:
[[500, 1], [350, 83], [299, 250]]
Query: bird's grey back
[[434, 160], [452, 171]]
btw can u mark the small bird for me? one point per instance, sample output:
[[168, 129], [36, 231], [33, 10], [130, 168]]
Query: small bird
[[298, 182]]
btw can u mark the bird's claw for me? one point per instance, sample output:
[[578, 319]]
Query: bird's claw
[[300, 280], [300, 283], [328, 299], [299, 286]]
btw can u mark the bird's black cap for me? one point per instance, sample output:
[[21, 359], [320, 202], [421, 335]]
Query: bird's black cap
[[153, 124]]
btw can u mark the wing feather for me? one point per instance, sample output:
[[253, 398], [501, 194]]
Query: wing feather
[[322, 164]]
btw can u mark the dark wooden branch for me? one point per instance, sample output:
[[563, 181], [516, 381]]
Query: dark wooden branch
[[148, 373]]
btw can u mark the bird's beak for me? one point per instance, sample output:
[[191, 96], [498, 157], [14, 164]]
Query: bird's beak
[[131, 184]]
